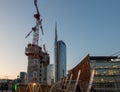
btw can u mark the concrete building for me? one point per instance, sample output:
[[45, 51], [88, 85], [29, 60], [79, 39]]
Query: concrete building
[[50, 76], [59, 58], [37, 67], [23, 77]]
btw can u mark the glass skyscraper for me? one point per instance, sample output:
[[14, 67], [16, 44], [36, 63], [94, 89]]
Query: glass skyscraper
[[59, 58]]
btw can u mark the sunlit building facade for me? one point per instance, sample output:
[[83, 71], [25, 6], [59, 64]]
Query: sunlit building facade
[[107, 73]]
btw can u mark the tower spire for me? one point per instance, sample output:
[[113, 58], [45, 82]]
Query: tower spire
[[55, 54], [56, 37]]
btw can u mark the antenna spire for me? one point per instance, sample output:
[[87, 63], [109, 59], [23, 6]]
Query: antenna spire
[[56, 37]]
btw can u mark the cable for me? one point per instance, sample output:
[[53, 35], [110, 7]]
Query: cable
[[117, 53]]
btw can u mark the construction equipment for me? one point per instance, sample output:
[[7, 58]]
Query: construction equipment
[[38, 60], [44, 48], [35, 29], [35, 63], [37, 16]]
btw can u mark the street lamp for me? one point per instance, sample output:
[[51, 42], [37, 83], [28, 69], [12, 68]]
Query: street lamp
[[34, 84]]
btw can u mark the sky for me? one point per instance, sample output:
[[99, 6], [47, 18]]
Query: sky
[[86, 26]]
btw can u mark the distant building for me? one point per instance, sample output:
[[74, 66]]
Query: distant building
[[23, 77], [6, 83], [50, 76], [59, 58]]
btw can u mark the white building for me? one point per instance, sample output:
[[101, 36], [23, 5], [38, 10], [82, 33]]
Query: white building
[[50, 75]]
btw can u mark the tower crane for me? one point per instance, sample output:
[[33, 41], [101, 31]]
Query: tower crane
[[35, 29]]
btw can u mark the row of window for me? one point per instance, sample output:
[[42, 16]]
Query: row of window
[[107, 72], [106, 79]]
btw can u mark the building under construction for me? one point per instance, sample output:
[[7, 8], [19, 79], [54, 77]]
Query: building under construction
[[37, 66], [38, 58]]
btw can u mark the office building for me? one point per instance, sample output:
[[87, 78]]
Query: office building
[[59, 58], [107, 73]]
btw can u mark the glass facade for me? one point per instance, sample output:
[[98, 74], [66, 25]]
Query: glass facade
[[107, 74], [61, 59]]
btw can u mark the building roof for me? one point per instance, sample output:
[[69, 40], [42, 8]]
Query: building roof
[[103, 57]]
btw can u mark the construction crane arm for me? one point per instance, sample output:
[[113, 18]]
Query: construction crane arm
[[37, 16], [42, 30], [28, 34], [44, 48], [41, 27], [35, 3]]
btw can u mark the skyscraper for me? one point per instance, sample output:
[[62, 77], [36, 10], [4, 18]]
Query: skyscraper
[[59, 58], [61, 50]]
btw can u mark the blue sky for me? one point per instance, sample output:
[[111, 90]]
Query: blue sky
[[86, 26]]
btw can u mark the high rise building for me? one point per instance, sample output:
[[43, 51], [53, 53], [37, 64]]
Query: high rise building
[[59, 58], [37, 68]]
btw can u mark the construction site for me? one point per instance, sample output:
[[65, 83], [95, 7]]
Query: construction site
[[82, 78], [38, 60]]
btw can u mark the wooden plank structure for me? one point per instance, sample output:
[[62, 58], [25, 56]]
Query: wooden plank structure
[[84, 78], [30, 88]]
